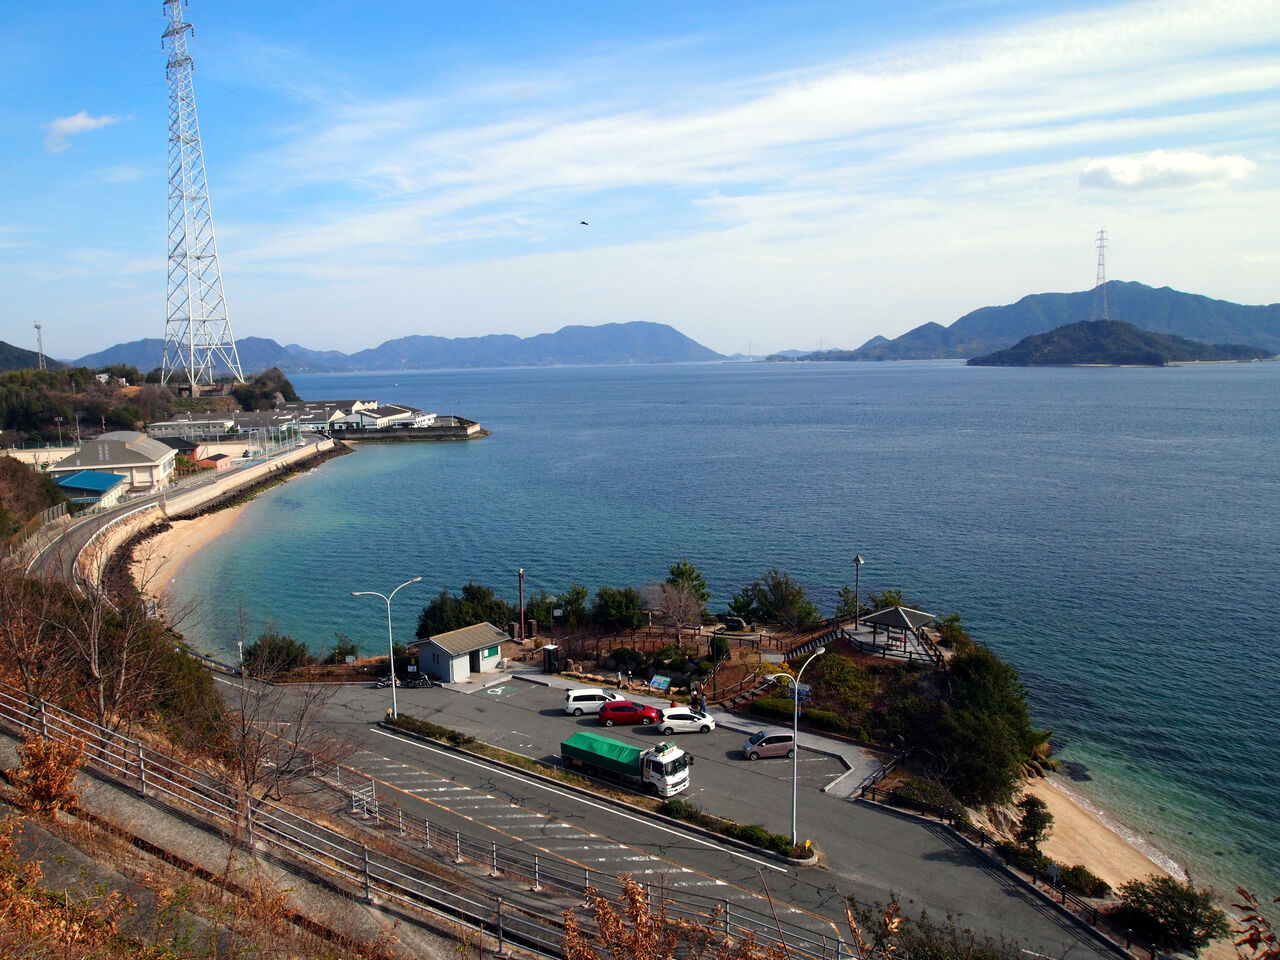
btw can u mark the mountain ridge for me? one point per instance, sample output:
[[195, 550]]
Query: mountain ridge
[[635, 342], [1159, 310]]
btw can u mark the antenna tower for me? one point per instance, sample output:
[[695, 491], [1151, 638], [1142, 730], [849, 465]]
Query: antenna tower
[[197, 334], [40, 344], [1100, 285]]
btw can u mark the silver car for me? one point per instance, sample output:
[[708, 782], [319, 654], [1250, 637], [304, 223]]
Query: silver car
[[769, 743], [685, 720]]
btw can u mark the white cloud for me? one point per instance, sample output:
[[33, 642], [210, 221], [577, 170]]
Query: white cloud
[[62, 129], [1163, 169]]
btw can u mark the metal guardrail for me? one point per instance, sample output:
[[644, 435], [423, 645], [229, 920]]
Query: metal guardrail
[[380, 875], [537, 874]]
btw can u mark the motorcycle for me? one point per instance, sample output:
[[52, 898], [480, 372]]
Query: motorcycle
[[420, 681], [386, 682]]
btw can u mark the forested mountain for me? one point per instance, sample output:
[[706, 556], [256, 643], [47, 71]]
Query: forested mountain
[[638, 342], [15, 358], [1113, 343], [1162, 310]]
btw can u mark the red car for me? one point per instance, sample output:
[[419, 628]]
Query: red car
[[624, 711]]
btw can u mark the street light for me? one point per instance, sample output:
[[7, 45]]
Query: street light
[[391, 650], [857, 588], [795, 733]]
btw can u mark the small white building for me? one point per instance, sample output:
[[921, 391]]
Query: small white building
[[386, 417], [147, 463], [454, 656]]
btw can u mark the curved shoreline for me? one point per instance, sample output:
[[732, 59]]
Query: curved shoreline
[[1083, 833]]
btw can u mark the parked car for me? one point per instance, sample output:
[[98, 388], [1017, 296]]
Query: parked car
[[588, 700], [769, 743], [624, 711], [686, 720]]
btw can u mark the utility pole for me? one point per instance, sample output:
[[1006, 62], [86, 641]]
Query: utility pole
[[40, 344], [1100, 284], [522, 605], [197, 333]]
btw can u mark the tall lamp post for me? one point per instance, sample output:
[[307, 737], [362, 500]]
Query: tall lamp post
[[391, 650], [795, 733], [857, 588]]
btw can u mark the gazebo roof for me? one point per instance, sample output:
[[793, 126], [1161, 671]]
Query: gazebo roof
[[900, 618]]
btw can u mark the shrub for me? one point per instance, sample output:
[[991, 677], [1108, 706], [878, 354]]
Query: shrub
[[775, 708], [933, 793], [1171, 915], [1080, 879], [1036, 823], [826, 720]]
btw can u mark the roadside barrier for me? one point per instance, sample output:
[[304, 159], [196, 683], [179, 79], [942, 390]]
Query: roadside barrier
[[254, 823], [1078, 906]]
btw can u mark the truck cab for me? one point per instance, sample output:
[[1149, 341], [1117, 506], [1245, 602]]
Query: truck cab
[[667, 769]]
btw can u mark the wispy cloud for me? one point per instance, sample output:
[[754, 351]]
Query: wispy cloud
[[61, 130], [1162, 169]]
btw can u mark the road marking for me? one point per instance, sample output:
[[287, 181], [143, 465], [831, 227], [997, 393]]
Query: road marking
[[496, 691], [573, 797]]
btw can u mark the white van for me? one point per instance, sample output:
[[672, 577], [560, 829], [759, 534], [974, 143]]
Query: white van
[[587, 700]]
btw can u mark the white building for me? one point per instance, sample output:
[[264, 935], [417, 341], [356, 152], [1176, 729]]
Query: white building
[[454, 656]]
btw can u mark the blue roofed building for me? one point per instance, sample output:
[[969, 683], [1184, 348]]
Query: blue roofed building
[[93, 487]]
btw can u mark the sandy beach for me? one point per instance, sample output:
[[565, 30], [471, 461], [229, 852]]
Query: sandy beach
[[1081, 836], [158, 560]]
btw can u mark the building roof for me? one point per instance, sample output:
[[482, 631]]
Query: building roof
[[900, 618], [117, 448], [181, 444], [475, 637], [91, 480]]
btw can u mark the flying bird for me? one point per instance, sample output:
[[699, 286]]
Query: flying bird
[[583, 223]]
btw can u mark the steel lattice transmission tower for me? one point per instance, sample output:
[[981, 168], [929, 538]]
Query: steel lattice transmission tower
[[1100, 285], [197, 334]]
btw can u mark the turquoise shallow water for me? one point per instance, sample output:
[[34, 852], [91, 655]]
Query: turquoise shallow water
[[1113, 533]]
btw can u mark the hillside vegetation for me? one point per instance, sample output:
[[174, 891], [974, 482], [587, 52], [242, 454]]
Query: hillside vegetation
[[1111, 342]]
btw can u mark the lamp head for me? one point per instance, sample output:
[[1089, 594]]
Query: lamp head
[[819, 652]]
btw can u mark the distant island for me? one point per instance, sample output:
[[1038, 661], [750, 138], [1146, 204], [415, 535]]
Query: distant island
[[989, 329], [1111, 343]]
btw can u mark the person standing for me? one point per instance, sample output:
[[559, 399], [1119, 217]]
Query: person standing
[[618, 678]]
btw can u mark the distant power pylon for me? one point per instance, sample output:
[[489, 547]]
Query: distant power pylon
[[40, 344], [1100, 285], [197, 334]]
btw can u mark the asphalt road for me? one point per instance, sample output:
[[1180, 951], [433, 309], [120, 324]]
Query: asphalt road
[[866, 851]]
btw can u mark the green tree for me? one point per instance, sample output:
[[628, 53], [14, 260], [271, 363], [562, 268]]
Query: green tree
[[952, 633], [1036, 822], [343, 647], [573, 601], [1170, 914], [848, 604], [886, 599], [980, 740], [617, 608], [477, 604], [782, 601], [743, 604], [274, 652], [686, 574]]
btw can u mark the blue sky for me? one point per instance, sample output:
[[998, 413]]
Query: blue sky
[[759, 175]]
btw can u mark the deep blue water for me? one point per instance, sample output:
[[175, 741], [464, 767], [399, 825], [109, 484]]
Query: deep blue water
[[1113, 533]]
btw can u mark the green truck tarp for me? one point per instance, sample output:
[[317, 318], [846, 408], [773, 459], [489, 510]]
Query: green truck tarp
[[604, 752]]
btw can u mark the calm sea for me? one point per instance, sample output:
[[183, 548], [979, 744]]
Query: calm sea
[[1113, 533]]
